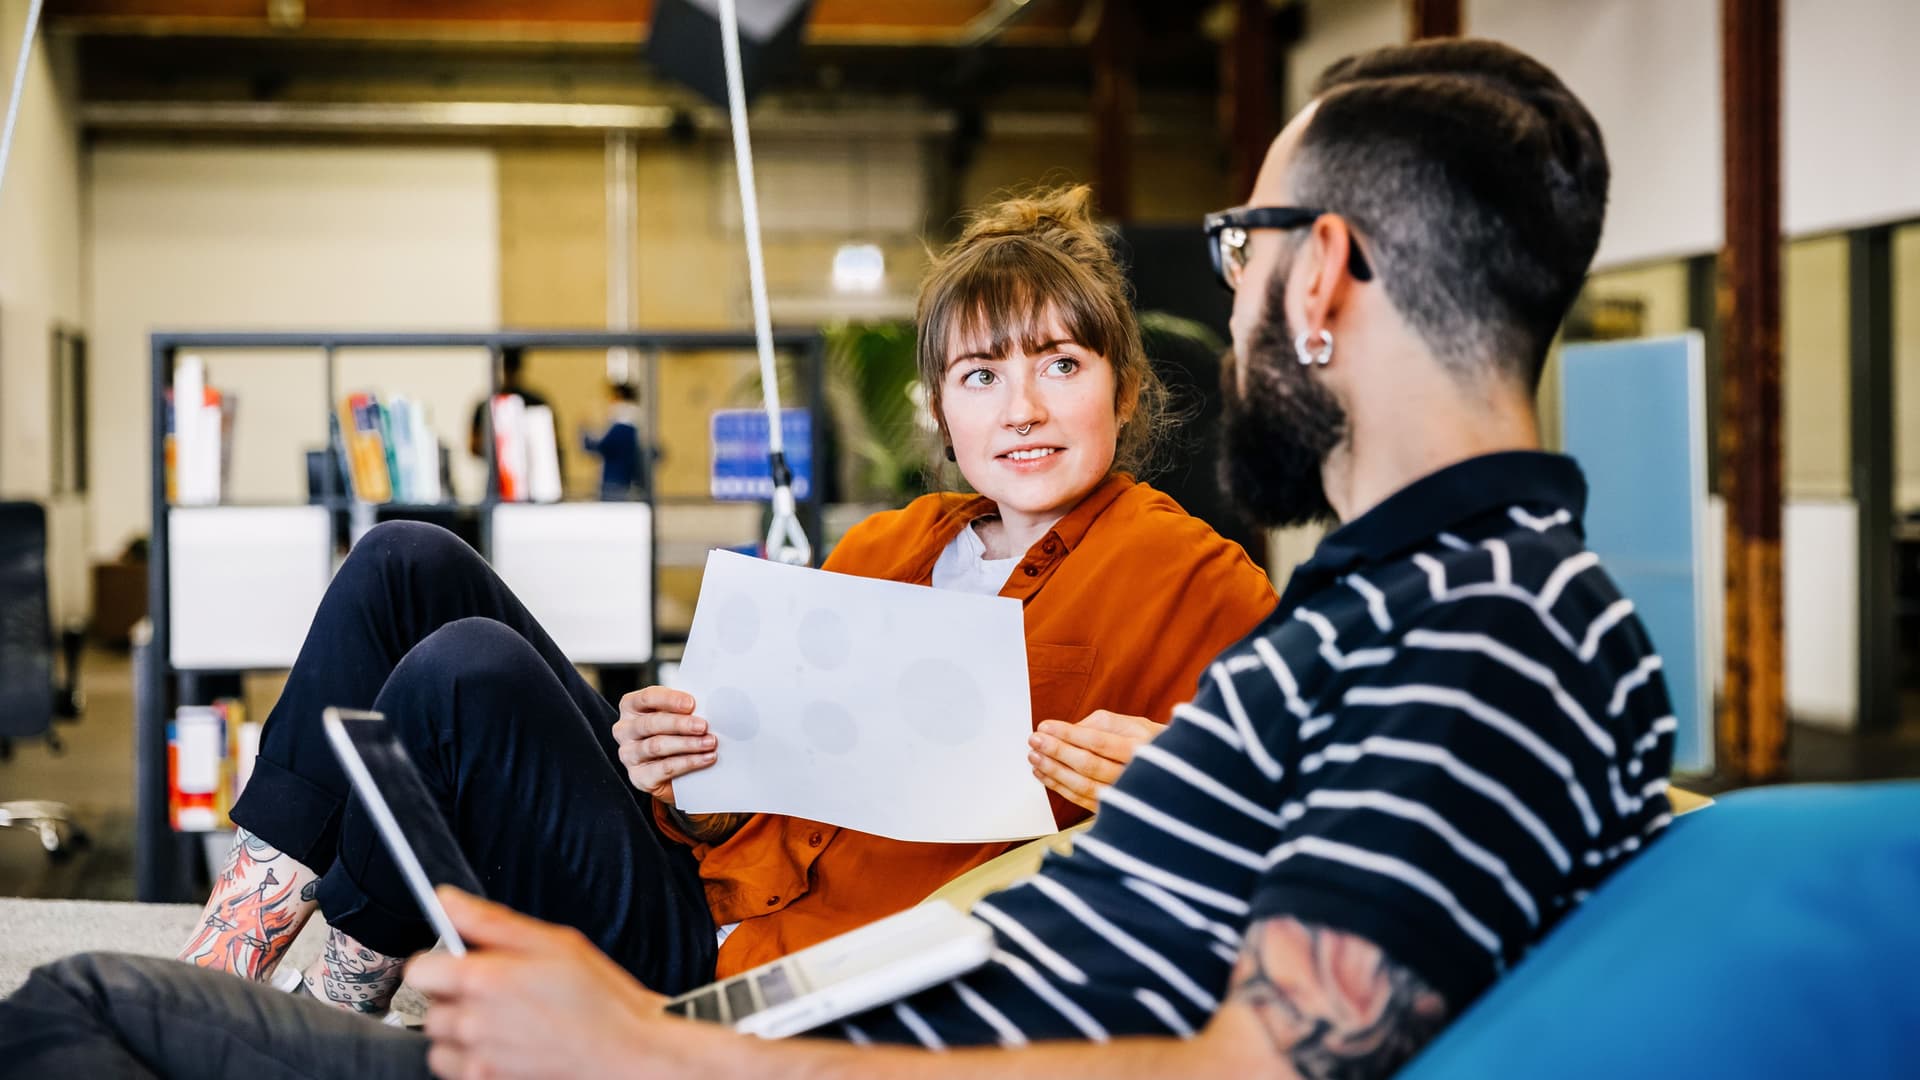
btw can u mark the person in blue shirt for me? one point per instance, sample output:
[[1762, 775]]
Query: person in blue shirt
[[622, 476]]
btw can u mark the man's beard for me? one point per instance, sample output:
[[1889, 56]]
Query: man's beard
[[1276, 437]]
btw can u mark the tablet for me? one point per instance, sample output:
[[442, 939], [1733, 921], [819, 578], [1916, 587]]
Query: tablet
[[409, 820]]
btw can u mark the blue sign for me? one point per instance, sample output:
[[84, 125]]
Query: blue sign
[[740, 469], [1634, 416]]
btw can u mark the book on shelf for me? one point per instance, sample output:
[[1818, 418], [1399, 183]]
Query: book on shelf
[[526, 450], [210, 754], [198, 441], [383, 421], [422, 447], [366, 449], [543, 456], [389, 452]]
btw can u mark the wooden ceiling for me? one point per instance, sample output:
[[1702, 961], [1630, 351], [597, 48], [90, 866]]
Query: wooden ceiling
[[832, 22], [584, 50]]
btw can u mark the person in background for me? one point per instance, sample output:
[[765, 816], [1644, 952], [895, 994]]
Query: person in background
[[623, 477]]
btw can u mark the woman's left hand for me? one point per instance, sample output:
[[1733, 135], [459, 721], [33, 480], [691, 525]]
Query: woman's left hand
[[1080, 761]]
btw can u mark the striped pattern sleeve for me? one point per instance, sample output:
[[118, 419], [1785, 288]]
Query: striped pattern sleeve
[[1441, 814]]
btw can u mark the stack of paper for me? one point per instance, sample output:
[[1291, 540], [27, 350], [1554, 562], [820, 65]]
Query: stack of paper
[[894, 709]]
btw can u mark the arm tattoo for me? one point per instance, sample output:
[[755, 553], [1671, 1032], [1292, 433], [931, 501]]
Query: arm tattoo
[[708, 828], [1333, 1004]]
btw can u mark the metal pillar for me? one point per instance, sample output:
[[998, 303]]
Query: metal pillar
[[1870, 356], [1752, 728], [1434, 19], [1246, 66], [1114, 105]]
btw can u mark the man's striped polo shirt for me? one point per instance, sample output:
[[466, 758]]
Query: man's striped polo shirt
[[1450, 730]]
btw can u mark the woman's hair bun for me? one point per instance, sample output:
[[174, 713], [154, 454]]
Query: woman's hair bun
[[1062, 216]]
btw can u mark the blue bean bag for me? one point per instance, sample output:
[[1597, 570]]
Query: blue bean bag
[[1776, 933]]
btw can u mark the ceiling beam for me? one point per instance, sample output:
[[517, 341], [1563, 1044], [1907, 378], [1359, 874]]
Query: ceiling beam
[[833, 22]]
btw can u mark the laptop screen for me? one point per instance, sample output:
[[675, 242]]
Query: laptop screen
[[414, 811]]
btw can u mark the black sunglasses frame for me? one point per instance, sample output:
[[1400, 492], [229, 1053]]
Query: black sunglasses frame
[[1247, 218]]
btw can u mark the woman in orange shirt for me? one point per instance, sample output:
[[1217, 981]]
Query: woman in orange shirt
[[1035, 373]]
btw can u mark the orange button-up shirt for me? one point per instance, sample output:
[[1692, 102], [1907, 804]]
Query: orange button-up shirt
[[1127, 599]]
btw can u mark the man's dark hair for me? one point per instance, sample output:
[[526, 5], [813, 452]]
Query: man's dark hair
[[1479, 183]]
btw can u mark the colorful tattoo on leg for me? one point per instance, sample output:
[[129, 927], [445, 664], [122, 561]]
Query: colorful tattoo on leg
[[260, 900], [353, 977]]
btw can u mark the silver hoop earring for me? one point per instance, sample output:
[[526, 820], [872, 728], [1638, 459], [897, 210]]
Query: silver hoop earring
[[1320, 352]]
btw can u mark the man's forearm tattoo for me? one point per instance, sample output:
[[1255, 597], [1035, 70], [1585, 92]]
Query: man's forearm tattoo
[[1333, 1004], [355, 977], [709, 828]]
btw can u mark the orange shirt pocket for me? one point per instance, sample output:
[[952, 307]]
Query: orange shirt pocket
[[1058, 677]]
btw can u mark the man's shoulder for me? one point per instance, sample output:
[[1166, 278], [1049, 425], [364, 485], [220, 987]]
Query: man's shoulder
[[1537, 561], [1524, 587]]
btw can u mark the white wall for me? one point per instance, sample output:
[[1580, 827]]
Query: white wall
[[1649, 71], [1336, 29], [1820, 583], [281, 238], [1820, 633], [41, 229], [1851, 141]]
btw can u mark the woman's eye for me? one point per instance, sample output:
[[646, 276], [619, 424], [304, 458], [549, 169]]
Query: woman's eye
[[1063, 365], [977, 377]]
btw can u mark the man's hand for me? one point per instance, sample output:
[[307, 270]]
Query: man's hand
[[1082, 760], [660, 739], [531, 1000]]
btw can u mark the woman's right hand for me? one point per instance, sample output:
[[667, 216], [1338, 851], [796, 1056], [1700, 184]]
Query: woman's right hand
[[660, 739]]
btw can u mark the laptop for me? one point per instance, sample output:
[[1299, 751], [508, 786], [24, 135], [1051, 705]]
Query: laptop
[[841, 977]]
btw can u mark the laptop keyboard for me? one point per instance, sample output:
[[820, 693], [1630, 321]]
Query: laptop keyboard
[[741, 996]]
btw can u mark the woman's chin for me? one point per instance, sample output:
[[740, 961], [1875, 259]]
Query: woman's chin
[[1037, 496]]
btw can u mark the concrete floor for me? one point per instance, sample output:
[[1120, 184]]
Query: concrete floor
[[95, 777]]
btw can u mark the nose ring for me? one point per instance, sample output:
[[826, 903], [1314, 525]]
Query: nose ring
[[1024, 429]]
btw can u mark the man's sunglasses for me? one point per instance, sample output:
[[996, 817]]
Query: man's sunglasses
[[1227, 238]]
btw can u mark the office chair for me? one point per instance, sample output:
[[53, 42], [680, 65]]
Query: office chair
[[30, 699]]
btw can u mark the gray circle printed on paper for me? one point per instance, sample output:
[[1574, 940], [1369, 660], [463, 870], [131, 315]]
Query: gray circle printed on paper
[[731, 714], [824, 639], [739, 623], [942, 701], [829, 727]]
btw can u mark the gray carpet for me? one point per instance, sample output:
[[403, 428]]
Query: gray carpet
[[33, 932]]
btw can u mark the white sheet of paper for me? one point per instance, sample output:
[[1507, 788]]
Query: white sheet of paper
[[893, 709]]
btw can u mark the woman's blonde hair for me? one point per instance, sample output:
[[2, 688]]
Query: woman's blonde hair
[[1015, 265]]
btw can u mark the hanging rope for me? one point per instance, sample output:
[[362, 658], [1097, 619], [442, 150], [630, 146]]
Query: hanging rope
[[20, 86], [786, 541]]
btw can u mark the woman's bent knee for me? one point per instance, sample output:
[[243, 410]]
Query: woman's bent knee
[[409, 545], [473, 656]]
